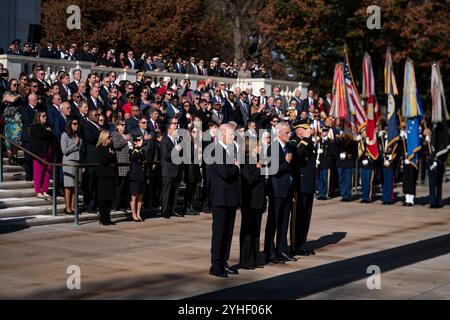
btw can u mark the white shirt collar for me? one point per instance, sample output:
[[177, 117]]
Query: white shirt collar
[[281, 143]]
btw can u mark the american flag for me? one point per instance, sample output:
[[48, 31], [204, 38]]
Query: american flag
[[353, 98]]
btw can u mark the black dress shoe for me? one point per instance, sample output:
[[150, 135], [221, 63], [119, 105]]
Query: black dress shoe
[[175, 214], [301, 252], [409, 204], [274, 260], [218, 273], [310, 251], [285, 257], [231, 270], [166, 215]]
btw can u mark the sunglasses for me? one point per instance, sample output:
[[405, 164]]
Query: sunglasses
[[75, 123], [34, 86], [121, 124], [144, 122]]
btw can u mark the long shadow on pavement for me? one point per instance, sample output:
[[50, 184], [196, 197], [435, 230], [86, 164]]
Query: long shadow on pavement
[[299, 284]]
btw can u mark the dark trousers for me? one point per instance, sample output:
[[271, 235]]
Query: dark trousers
[[249, 237], [436, 177], [409, 179], [28, 162], [222, 234], [205, 186], [189, 194], [366, 183], [169, 188], [155, 186], [104, 208], [345, 182], [89, 188], [301, 219], [122, 199], [323, 182], [388, 184], [277, 224]]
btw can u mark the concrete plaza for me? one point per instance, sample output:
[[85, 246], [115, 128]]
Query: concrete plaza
[[169, 259]]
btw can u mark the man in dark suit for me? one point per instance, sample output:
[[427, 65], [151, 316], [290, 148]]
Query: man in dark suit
[[132, 123], [225, 199], [192, 67], [309, 102], [327, 104], [49, 51], [130, 61], [179, 68], [76, 80], [170, 171], [43, 86], [104, 90], [91, 132], [305, 183], [64, 89], [94, 101], [280, 197], [28, 112]]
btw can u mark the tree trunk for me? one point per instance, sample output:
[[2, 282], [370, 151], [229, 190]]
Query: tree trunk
[[237, 39]]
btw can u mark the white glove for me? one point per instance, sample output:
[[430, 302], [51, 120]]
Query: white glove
[[403, 134], [319, 151], [427, 138], [407, 161], [358, 137], [342, 155], [390, 157], [380, 134], [317, 162], [433, 166], [365, 162], [386, 163]]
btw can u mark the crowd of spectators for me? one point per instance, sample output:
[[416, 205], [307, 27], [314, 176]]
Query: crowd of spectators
[[147, 62]]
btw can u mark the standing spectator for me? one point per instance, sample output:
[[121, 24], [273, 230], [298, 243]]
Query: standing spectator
[[244, 73], [13, 120], [179, 68], [121, 144], [70, 147], [253, 196], [24, 87], [137, 177], [14, 48], [192, 175], [225, 199], [192, 66], [105, 173], [42, 144], [91, 131], [28, 112], [170, 170], [49, 51], [64, 88], [71, 54]]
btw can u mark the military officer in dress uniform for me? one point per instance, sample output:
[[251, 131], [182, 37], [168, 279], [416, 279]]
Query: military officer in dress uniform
[[347, 150], [366, 165], [304, 170], [326, 160]]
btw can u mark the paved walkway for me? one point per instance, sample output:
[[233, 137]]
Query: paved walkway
[[169, 259]]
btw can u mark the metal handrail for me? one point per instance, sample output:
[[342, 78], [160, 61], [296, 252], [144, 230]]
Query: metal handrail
[[53, 165]]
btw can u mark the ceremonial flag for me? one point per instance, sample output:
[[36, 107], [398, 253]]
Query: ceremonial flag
[[338, 103], [390, 88], [412, 110], [372, 106], [353, 99], [440, 141]]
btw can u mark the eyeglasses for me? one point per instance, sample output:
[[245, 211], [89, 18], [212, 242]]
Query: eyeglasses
[[76, 96], [24, 79], [13, 84], [135, 110], [131, 97], [74, 123], [144, 122], [96, 115], [120, 124], [34, 86]]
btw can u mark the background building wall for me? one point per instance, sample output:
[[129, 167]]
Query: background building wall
[[15, 19]]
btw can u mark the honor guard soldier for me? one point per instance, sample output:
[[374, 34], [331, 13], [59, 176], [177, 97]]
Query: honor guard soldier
[[366, 165], [326, 160], [439, 144], [304, 183], [409, 171], [347, 156]]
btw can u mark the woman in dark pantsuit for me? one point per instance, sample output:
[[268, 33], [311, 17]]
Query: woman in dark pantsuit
[[253, 206], [192, 175], [106, 174]]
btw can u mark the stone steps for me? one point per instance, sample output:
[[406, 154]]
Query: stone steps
[[22, 211]]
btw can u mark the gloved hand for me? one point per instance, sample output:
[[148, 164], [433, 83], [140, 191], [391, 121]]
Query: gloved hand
[[380, 134], [407, 161], [317, 162], [342, 155], [365, 162], [433, 166], [427, 138], [320, 151], [386, 163], [358, 137], [403, 133]]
